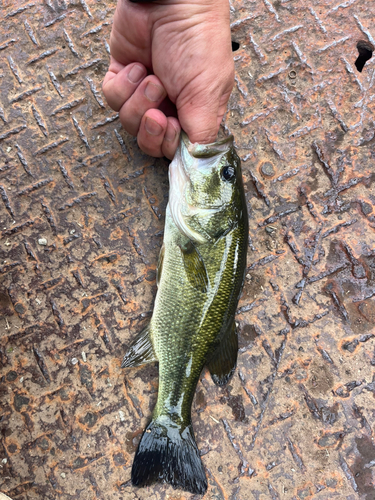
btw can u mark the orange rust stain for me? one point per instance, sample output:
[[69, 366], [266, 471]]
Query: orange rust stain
[[117, 234]]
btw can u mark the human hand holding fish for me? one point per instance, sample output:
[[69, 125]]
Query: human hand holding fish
[[171, 68]]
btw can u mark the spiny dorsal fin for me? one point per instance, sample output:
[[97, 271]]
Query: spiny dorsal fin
[[224, 360], [140, 350], [194, 267]]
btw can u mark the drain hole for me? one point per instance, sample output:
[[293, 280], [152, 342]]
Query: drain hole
[[365, 50], [236, 46]]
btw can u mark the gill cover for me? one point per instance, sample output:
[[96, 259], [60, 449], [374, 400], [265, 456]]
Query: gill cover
[[192, 157]]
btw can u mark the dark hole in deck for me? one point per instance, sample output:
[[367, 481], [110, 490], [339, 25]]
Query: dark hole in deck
[[235, 46], [365, 50]]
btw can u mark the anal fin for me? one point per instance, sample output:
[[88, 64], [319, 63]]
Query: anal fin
[[140, 350], [224, 360]]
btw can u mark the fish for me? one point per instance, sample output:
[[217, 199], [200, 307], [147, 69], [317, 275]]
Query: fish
[[200, 275]]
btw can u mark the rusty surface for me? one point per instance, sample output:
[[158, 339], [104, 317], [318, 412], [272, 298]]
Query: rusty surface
[[81, 221]]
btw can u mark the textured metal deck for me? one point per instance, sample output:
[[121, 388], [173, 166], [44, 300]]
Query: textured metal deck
[[81, 221]]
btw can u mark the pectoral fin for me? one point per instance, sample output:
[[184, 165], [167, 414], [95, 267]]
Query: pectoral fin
[[224, 360], [140, 351], [194, 267]]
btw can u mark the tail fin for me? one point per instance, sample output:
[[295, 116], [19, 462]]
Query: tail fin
[[169, 454]]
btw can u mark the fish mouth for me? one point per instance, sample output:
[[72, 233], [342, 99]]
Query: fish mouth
[[197, 150]]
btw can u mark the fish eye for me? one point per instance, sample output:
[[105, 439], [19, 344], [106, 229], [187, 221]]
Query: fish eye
[[228, 173]]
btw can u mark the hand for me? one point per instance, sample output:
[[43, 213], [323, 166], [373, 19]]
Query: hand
[[171, 68]]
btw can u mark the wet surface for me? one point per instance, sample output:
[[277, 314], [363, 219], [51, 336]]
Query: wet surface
[[81, 223]]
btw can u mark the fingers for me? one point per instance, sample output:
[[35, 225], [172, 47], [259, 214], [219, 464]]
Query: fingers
[[121, 82], [158, 135], [137, 97], [142, 105], [132, 93], [149, 95]]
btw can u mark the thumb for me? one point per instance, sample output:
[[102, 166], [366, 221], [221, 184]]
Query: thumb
[[200, 116]]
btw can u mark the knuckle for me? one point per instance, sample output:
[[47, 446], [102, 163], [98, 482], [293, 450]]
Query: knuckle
[[129, 127], [129, 121]]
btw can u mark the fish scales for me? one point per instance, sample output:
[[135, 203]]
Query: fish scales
[[180, 311]]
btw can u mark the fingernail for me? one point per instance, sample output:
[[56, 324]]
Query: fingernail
[[136, 73], [154, 92], [153, 127], [170, 134]]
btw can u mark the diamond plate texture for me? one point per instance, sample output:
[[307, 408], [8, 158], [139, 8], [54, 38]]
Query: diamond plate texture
[[81, 224]]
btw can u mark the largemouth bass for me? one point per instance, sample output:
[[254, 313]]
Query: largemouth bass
[[200, 275]]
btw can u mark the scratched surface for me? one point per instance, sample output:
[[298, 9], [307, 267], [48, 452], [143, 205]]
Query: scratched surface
[[81, 221]]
